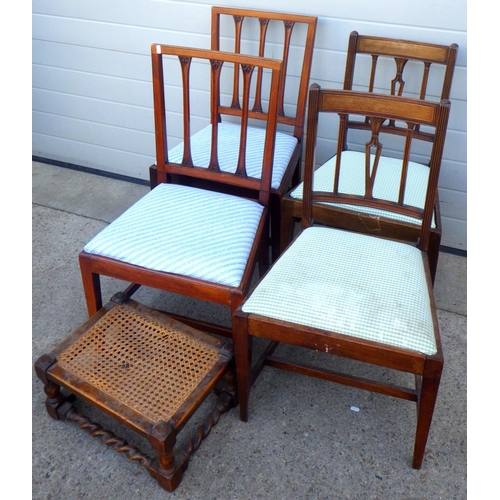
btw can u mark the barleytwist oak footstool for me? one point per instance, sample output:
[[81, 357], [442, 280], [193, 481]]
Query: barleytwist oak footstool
[[145, 370]]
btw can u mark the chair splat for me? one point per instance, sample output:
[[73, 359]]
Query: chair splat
[[403, 69]]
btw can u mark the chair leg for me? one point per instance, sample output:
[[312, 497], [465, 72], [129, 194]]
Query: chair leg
[[153, 176], [433, 252], [275, 209], [287, 223], [296, 177], [426, 402], [243, 356], [263, 260], [91, 286]]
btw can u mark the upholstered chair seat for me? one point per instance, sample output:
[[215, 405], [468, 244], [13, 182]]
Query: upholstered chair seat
[[378, 292], [208, 238]]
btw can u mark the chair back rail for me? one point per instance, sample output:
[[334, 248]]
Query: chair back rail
[[248, 66], [376, 108], [401, 52], [306, 43]]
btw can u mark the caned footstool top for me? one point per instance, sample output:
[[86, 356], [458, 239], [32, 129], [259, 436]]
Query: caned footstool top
[[146, 364]]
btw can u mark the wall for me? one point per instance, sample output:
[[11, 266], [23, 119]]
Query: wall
[[92, 97]]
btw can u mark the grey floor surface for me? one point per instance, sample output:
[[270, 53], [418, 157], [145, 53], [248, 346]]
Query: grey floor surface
[[302, 440]]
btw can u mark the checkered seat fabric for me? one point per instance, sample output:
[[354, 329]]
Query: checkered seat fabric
[[228, 149], [184, 230], [351, 284], [352, 176]]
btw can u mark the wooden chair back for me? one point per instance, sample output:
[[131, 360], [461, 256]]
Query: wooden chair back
[[375, 109], [288, 37], [207, 66], [383, 64]]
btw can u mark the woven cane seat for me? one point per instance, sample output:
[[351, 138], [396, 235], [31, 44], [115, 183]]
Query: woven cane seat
[[148, 366]]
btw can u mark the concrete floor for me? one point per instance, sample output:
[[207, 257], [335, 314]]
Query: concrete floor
[[302, 440]]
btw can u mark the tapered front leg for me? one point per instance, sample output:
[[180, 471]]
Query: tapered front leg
[[426, 403], [242, 354], [91, 285]]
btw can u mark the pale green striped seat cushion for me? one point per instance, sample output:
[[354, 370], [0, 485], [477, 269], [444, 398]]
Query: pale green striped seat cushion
[[353, 284], [228, 149], [183, 230], [352, 178]]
